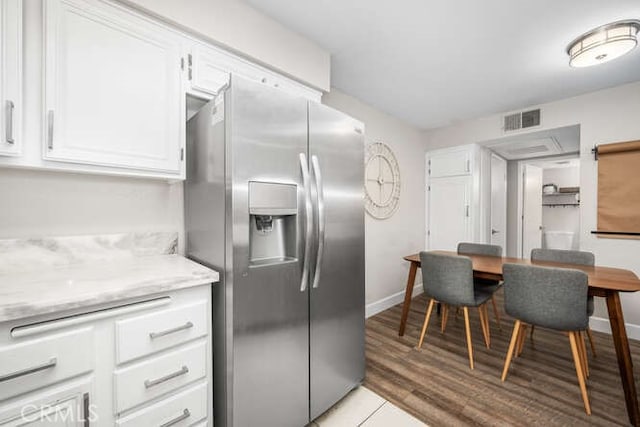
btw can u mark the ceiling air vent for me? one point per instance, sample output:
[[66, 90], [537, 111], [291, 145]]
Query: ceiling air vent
[[522, 120]]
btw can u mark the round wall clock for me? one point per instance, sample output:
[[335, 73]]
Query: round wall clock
[[382, 181]]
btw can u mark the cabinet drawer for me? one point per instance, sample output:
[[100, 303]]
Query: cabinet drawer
[[182, 409], [152, 332], [37, 363], [152, 378]]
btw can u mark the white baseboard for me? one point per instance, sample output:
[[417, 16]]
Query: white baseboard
[[596, 323], [602, 325], [388, 302]]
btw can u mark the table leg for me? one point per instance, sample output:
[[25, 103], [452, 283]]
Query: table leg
[[408, 293], [625, 364]]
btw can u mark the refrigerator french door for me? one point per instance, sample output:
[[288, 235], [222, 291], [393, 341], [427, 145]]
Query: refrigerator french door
[[274, 202], [337, 314]]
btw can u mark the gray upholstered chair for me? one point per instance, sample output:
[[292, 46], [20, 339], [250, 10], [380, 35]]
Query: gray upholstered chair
[[569, 257], [553, 298], [448, 279], [493, 285]]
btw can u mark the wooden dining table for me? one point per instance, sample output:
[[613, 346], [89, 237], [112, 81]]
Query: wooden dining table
[[604, 282]]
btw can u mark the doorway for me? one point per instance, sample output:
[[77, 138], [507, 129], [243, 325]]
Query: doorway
[[533, 218], [550, 204]]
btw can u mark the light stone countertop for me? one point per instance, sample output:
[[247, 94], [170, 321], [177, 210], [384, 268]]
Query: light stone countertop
[[44, 276], [26, 294]]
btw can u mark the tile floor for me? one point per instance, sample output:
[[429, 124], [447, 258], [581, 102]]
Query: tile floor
[[362, 407]]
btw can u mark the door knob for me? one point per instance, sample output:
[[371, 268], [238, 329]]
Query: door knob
[[494, 231]]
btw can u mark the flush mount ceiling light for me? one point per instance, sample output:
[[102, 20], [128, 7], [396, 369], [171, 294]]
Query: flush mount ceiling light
[[604, 43]]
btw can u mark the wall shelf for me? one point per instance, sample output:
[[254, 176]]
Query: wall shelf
[[569, 198]]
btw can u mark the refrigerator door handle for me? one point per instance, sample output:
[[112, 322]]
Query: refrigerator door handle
[[321, 219], [308, 208]]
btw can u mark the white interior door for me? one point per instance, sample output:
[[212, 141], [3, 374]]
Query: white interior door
[[499, 201], [531, 209], [449, 212]]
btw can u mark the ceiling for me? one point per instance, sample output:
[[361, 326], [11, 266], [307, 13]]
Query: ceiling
[[434, 63]]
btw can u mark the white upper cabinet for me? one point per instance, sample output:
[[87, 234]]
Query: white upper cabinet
[[11, 77], [209, 68], [113, 94], [452, 162]]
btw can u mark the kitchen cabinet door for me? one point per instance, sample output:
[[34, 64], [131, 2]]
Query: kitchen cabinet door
[[113, 91], [450, 162], [10, 77], [449, 212], [208, 70], [68, 405]]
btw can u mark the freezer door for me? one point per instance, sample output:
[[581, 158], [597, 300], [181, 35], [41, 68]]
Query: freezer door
[[336, 149], [266, 133]]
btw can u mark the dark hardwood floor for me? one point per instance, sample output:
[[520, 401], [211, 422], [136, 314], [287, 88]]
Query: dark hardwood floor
[[436, 385]]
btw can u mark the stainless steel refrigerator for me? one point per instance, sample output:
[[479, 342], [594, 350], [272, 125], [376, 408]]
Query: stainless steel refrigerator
[[274, 202]]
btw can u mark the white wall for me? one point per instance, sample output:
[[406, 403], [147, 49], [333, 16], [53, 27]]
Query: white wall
[[387, 241], [236, 25], [605, 116], [42, 203], [562, 218]]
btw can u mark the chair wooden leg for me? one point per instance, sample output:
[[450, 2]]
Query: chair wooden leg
[[486, 321], [426, 322], [468, 331], [445, 316], [581, 354], [495, 311], [512, 347], [533, 328], [583, 351], [522, 336], [484, 324], [573, 339], [591, 343]]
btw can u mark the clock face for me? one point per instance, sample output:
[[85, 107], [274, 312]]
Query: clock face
[[382, 181]]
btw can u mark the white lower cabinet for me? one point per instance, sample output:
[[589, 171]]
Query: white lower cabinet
[[45, 360], [181, 409], [64, 369], [155, 377], [66, 405]]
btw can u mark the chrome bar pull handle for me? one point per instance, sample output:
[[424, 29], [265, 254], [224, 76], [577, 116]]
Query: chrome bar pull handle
[[50, 130], [154, 335], [185, 414], [152, 383], [308, 208], [47, 365], [86, 406], [8, 122], [321, 219]]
